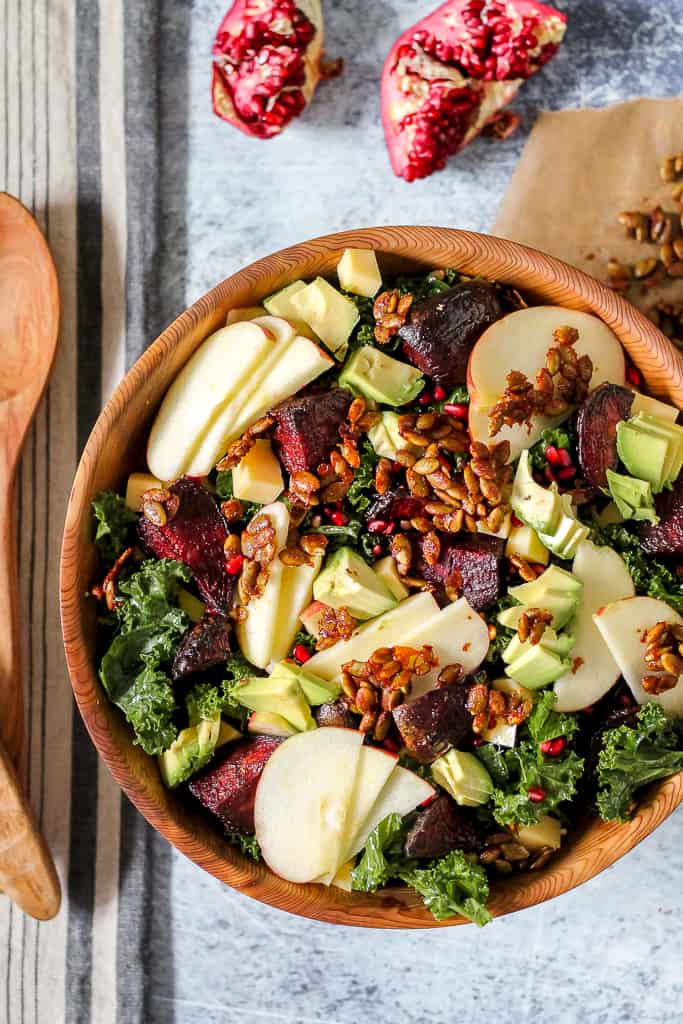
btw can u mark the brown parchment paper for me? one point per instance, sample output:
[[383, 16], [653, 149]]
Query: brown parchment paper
[[579, 169]]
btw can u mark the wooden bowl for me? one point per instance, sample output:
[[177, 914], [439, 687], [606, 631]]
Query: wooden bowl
[[117, 445]]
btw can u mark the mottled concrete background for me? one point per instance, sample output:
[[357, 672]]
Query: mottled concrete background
[[607, 953]]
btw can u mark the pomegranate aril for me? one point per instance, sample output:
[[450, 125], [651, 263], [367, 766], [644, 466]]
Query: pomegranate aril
[[389, 529], [234, 565], [439, 393], [425, 398], [456, 409], [536, 794], [377, 526], [552, 748], [301, 653], [552, 455], [377, 550], [339, 519], [477, 741], [634, 377], [566, 474], [563, 457]]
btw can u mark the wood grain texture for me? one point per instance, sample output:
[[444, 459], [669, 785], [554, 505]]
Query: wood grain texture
[[29, 322], [116, 446]]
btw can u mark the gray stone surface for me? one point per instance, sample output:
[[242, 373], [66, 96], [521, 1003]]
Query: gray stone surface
[[606, 953]]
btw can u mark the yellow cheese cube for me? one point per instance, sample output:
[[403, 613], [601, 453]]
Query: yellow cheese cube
[[653, 406], [137, 484], [327, 312], [258, 476], [502, 733], [358, 272], [546, 832]]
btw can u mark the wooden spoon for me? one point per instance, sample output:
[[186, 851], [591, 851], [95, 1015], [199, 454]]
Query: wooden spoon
[[29, 322]]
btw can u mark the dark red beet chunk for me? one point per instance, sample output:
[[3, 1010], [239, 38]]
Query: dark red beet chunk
[[195, 535], [307, 428], [204, 646], [396, 504], [443, 329], [474, 561], [666, 538], [228, 789], [596, 431], [430, 724], [335, 714], [442, 827]]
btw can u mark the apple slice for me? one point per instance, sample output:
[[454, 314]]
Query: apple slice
[[520, 341], [622, 625], [295, 595], [519, 436], [605, 579], [374, 768], [256, 635], [457, 633], [208, 384], [302, 803], [402, 793], [242, 313], [384, 631]]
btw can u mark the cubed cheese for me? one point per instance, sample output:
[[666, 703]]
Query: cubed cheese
[[258, 476], [359, 273], [137, 484]]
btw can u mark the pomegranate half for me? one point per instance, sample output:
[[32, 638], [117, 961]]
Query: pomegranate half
[[266, 63], [450, 75]]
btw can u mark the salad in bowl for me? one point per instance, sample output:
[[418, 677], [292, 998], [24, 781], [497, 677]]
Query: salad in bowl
[[396, 595]]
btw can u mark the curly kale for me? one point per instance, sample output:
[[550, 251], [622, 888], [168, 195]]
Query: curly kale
[[544, 723], [361, 492], [114, 520], [559, 437], [224, 490], [452, 885], [247, 844]]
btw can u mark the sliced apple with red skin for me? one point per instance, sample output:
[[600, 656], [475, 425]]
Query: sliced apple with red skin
[[622, 625], [302, 803], [519, 435], [311, 617], [520, 341], [402, 793], [605, 579]]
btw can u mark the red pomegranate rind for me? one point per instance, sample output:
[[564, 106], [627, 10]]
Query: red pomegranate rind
[[451, 73], [307, 428], [228, 789], [195, 535], [473, 562], [442, 827], [666, 537], [596, 431], [266, 60], [204, 646]]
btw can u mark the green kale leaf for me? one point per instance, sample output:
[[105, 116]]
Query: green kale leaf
[[247, 844], [114, 520], [632, 756], [362, 490], [224, 490], [544, 723], [527, 767], [148, 595], [451, 885], [493, 759], [423, 286], [649, 575], [559, 437], [304, 639], [383, 855]]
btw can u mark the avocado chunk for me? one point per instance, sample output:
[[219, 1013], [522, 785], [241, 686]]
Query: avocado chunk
[[632, 497], [464, 777], [562, 607], [386, 569], [651, 449], [525, 542], [385, 437], [537, 667], [554, 578], [380, 377], [557, 643], [282, 696], [316, 690], [569, 532], [191, 750], [328, 313], [537, 507], [349, 582]]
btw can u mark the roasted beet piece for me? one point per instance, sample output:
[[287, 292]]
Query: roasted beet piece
[[204, 646], [432, 723], [307, 428], [195, 535], [443, 329], [228, 789], [473, 560], [666, 538], [596, 431], [442, 827], [336, 714], [398, 503]]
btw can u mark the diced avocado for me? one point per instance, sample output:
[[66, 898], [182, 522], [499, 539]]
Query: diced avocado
[[386, 569], [227, 734], [282, 696], [266, 723], [560, 644], [191, 605], [377, 375], [561, 605], [644, 455], [653, 426], [316, 690], [537, 667], [609, 516], [385, 436], [327, 312], [464, 777], [190, 751], [567, 537], [348, 582], [633, 498], [538, 507], [554, 578], [525, 542]]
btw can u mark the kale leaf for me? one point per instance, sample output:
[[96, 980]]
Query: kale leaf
[[224, 490], [133, 668], [544, 723], [649, 575], [361, 491], [559, 437], [632, 756], [423, 286], [247, 844], [114, 520], [383, 855], [304, 639], [522, 768], [451, 885], [503, 635]]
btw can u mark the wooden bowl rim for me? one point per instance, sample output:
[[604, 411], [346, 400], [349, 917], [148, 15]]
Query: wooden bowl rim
[[596, 847]]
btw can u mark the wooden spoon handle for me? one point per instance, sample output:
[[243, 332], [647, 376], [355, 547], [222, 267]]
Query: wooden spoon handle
[[27, 873], [11, 689]]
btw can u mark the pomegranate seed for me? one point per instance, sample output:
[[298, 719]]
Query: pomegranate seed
[[588, 710], [633, 376], [552, 455], [425, 398], [390, 744], [389, 529], [516, 521], [477, 741], [234, 564], [456, 409], [553, 748], [439, 393], [339, 519], [567, 473], [377, 549], [377, 526], [536, 794], [301, 653], [626, 700], [563, 457]]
